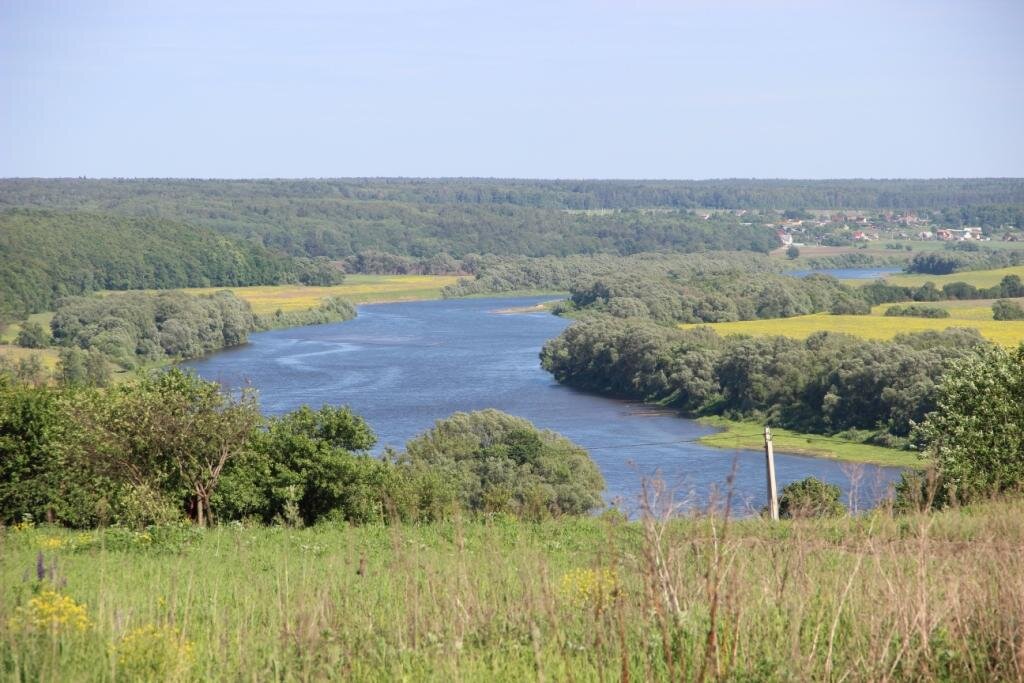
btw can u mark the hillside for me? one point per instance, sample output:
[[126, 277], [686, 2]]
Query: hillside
[[48, 254]]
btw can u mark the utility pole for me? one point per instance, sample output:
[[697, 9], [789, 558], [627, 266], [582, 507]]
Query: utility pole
[[769, 457]]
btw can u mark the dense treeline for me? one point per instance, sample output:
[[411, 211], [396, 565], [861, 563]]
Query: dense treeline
[[828, 383], [945, 262], [714, 298], [222, 198], [134, 327], [501, 274], [50, 254], [171, 445]]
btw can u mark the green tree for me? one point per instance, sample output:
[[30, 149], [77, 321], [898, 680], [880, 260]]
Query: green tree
[[810, 497], [499, 462], [975, 435], [170, 431], [71, 366], [32, 336], [793, 252], [1007, 310], [315, 461]]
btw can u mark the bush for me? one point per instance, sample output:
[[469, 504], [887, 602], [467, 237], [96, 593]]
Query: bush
[[916, 311], [501, 463], [1007, 310], [976, 433], [32, 336], [810, 497], [793, 252]]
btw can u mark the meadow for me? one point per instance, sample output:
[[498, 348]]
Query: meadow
[[978, 278], [871, 597], [976, 314], [359, 289], [737, 434]]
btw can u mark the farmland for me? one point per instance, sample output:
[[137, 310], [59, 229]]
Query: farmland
[[978, 278], [972, 314], [359, 289]]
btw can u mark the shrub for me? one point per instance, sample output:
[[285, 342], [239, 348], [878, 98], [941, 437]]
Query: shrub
[[32, 336], [916, 311], [1007, 310], [976, 433], [501, 463], [810, 497]]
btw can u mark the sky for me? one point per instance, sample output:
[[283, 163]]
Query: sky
[[534, 89]]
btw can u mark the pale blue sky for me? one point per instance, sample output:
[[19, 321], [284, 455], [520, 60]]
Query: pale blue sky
[[595, 89]]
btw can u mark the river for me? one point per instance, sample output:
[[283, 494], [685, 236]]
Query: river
[[404, 365]]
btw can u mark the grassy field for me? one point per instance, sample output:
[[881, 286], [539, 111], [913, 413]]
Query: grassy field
[[11, 332], [359, 289], [872, 597], [978, 278], [48, 357], [973, 314], [743, 435]]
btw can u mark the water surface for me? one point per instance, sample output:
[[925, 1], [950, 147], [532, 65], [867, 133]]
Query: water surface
[[402, 366], [850, 273]]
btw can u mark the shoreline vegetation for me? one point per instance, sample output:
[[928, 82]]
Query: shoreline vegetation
[[737, 434]]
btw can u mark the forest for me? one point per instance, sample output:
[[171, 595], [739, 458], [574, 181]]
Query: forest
[[50, 254], [826, 384]]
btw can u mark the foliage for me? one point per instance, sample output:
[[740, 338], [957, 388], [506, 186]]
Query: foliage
[[810, 497], [826, 383], [793, 252], [171, 432], [330, 309], [916, 311], [976, 432], [1007, 310], [314, 460], [32, 336], [501, 463], [52, 254], [135, 327]]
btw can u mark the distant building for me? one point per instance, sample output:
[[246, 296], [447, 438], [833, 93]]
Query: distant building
[[785, 238]]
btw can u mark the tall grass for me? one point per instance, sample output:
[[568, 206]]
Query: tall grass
[[873, 597]]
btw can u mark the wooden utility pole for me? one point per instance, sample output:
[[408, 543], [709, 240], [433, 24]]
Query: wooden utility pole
[[769, 456]]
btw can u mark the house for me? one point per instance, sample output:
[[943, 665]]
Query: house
[[785, 238], [926, 235], [944, 234]]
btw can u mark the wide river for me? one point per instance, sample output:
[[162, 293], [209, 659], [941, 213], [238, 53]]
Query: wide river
[[404, 365]]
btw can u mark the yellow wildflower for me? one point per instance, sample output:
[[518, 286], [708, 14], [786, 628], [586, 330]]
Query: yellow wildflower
[[154, 653], [51, 543], [50, 611], [588, 588]]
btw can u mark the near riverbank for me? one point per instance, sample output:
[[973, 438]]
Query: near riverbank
[[746, 436]]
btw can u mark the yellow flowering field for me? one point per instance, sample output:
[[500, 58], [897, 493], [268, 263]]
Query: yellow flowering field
[[359, 289], [978, 278], [973, 314]]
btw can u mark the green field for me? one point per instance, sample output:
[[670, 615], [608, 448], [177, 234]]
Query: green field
[[870, 597], [978, 278], [748, 436], [971, 314]]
